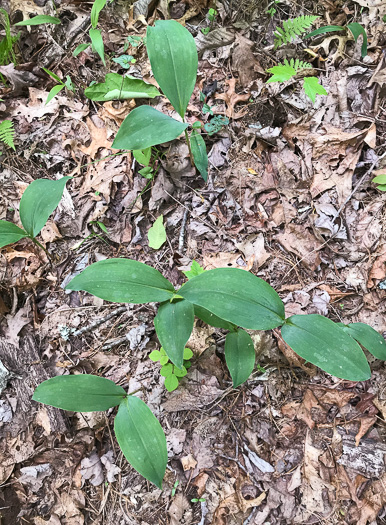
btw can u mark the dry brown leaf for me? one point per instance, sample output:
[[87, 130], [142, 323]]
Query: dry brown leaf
[[378, 269], [244, 62], [188, 462], [303, 410], [50, 232], [118, 114], [178, 508], [298, 240], [232, 98], [98, 140], [365, 424]]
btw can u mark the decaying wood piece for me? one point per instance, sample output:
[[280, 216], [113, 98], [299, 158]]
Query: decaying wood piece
[[24, 362]]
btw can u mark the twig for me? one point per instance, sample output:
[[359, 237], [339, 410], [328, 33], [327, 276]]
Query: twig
[[182, 231], [100, 321]]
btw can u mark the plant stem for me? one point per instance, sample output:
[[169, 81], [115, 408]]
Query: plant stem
[[190, 149], [42, 247]]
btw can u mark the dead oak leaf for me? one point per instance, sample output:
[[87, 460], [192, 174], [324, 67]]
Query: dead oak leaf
[[98, 140], [231, 98]]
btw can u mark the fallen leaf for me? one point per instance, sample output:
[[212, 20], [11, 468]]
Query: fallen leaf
[[98, 139], [298, 240], [232, 98], [188, 462]]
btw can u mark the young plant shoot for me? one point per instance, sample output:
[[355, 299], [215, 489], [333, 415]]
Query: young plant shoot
[[227, 298]]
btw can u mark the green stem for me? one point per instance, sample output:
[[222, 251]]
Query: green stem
[[190, 149], [42, 247]]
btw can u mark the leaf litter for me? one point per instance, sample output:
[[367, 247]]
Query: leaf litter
[[291, 445]]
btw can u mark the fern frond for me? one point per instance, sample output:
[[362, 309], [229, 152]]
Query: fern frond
[[297, 64], [292, 28], [7, 133]]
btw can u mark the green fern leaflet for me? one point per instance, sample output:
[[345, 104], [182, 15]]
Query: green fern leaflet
[[292, 28], [7, 133], [283, 72]]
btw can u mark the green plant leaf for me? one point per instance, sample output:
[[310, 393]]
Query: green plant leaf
[[180, 372], [145, 127], [188, 354], [381, 187], [166, 370], [325, 29], [97, 43], [380, 179], [357, 30], [173, 57], [195, 269], [146, 172], [142, 156], [367, 337], [142, 440], [54, 91], [173, 325], [171, 383], [236, 296], [313, 88], [324, 344], [117, 87], [97, 7], [52, 75], [10, 233], [79, 49], [200, 155], [79, 393], [211, 319], [155, 355], [38, 20], [281, 73], [157, 234], [123, 281], [239, 356], [164, 360], [38, 201]]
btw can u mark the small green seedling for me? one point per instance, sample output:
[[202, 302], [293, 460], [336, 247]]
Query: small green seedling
[[37, 203], [211, 16], [173, 57], [174, 489], [7, 52], [216, 124], [271, 9], [170, 372], [125, 61], [157, 234], [198, 500], [380, 180], [227, 298], [58, 87]]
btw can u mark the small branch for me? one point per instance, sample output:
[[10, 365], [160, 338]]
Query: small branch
[[182, 231], [100, 321]]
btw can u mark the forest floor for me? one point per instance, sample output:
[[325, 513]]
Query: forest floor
[[289, 198]]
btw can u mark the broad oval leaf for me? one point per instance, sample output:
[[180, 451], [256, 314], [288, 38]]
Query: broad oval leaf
[[211, 319], [117, 87], [53, 92], [199, 153], [97, 43], [38, 20], [324, 344], [80, 393], [239, 356], [236, 296], [123, 281], [142, 440], [173, 57], [367, 337], [380, 179], [145, 127], [38, 201], [173, 325], [10, 233]]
